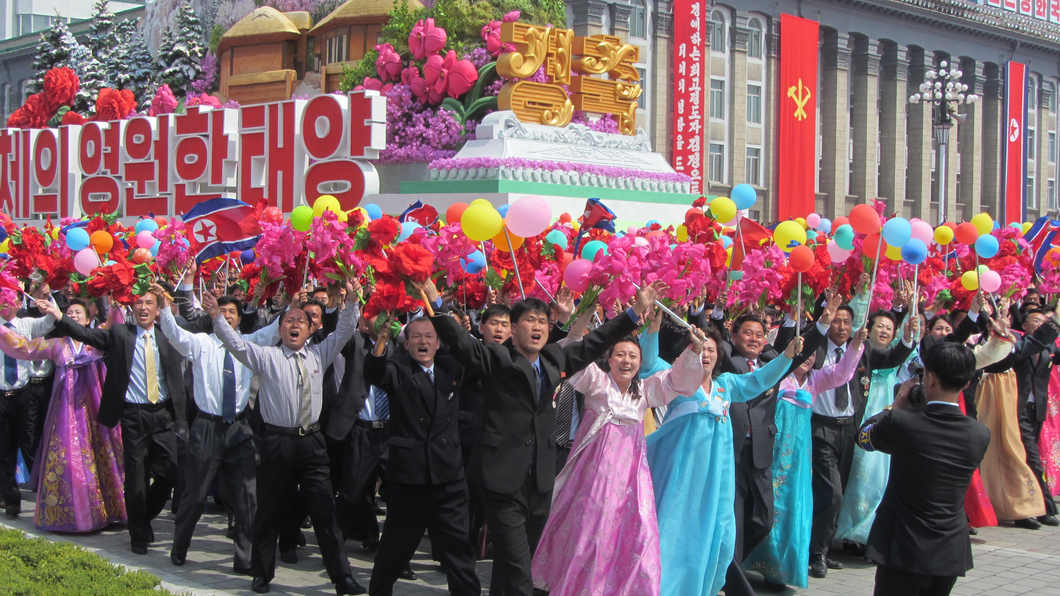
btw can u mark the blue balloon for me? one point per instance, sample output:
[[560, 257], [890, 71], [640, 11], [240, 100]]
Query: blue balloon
[[3, 234], [146, 225], [109, 263], [154, 249], [652, 221], [844, 237], [736, 275], [591, 249], [557, 238], [897, 231], [726, 242], [825, 226], [77, 239], [986, 246], [997, 225], [407, 228], [503, 210], [811, 235], [1016, 225], [673, 246], [744, 196], [914, 252], [247, 256], [374, 211], [474, 262]]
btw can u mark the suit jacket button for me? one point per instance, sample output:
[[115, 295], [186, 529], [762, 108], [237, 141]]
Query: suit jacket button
[[528, 441], [443, 441]]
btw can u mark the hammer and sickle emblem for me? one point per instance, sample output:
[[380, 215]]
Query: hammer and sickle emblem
[[800, 95]]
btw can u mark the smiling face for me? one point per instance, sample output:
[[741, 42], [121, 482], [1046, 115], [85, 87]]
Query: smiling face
[[531, 332], [495, 330], [882, 332], [805, 367], [231, 314], [749, 339], [624, 362], [421, 341], [145, 310], [294, 329]]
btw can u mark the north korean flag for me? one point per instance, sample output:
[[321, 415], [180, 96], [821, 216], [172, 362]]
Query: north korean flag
[[219, 226]]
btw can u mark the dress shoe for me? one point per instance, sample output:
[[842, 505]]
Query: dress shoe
[[139, 549], [177, 558], [289, 557], [150, 535], [818, 568], [833, 564], [371, 544], [260, 585], [972, 531], [301, 539], [854, 548], [408, 574], [348, 585], [1028, 524], [242, 570], [774, 587], [1049, 520], [13, 510], [305, 525]]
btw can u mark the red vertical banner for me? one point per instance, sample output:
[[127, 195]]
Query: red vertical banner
[[797, 116], [1015, 146], [690, 71]]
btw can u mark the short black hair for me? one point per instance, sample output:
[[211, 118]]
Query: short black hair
[[78, 302], [882, 313], [753, 318], [226, 300], [848, 309], [316, 303], [232, 289], [1032, 291], [405, 331], [527, 306], [1033, 311], [319, 289], [936, 319], [498, 311], [952, 363]]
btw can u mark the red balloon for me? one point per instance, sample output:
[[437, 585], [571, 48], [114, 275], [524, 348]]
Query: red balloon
[[966, 233], [842, 220], [865, 220], [952, 226], [801, 259], [870, 245], [141, 255], [272, 215], [564, 218], [693, 212], [453, 213], [161, 221], [567, 258]]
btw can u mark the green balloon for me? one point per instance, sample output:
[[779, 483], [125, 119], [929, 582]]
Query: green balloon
[[736, 275], [844, 237], [302, 218]]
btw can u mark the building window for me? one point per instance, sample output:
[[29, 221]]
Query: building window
[[754, 104], [754, 40], [1032, 199], [1052, 195], [338, 47], [717, 99], [716, 163], [754, 166], [1052, 147], [1032, 94], [1030, 144], [638, 21], [717, 33]]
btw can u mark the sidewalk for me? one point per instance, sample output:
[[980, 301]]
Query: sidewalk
[[1007, 561]]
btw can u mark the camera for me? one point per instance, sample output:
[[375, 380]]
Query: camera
[[915, 368]]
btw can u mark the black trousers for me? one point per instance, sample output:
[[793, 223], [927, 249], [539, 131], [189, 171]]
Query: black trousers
[[147, 435], [303, 459], [13, 409], [516, 521], [753, 507], [1030, 430], [39, 394], [364, 456], [213, 447], [895, 582], [411, 509], [833, 453]]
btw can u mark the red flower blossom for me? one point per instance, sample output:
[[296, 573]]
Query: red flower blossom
[[413, 261], [388, 296], [113, 104], [60, 88], [384, 230], [71, 118], [33, 114]]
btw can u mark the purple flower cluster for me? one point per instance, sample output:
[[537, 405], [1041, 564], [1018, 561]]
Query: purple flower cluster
[[469, 163], [210, 69], [418, 133], [603, 124], [479, 56], [231, 104]]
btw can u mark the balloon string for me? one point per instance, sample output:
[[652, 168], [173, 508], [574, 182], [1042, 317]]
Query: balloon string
[[798, 311], [515, 264]]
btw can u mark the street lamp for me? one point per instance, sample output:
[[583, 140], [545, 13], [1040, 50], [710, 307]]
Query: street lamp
[[944, 89]]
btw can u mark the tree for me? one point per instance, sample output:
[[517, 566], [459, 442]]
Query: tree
[[102, 34], [140, 65], [93, 77], [180, 55], [56, 49]]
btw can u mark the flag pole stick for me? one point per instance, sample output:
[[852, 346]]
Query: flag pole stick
[[515, 264], [798, 310]]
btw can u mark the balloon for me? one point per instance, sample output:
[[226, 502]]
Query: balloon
[[55, 232], [844, 237], [943, 235], [141, 255], [801, 259], [982, 269], [407, 228], [970, 280], [894, 253], [813, 220], [564, 218], [736, 275], [1027, 226], [921, 230], [840, 221], [682, 233], [77, 239], [302, 218], [145, 239], [915, 251], [85, 261], [503, 210], [500, 241], [864, 219], [576, 276], [474, 263], [966, 233], [1015, 225], [788, 232], [154, 249], [529, 216], [802, 222], [723, 209], [743, 196], [145, 225], [811, 236], [997, 226], [247, 256], [726, 242], [161, 221], [825, 226], [575, 226], [272, 215], [990, 281], [986, 246], [983, 223], [325, 203], [5, 245], [557, 238], [342, 216], [592, 249], [871, 246], [480, 221], [102, 241], [838, 253], [897, 231], [375, 212], [641, 242]]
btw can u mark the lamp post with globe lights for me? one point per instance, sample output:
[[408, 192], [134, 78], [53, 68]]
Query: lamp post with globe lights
[[943, 88]]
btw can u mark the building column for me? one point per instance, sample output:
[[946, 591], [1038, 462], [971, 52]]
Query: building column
[[738, 111], [993, 134], [662, 82], [920, 143], [771, 125], [894, 97], [589, 17], [620, 14], [866, 61], [835, 126], [1048, 170], [971, 136], [1041, 170]]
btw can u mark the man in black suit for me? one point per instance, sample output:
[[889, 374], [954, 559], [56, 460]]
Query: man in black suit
[[514, 461], [144, 390], [920, 536], [425, 474]]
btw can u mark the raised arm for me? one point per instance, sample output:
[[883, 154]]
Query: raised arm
[[250, 355], [834, 375], [683, 378], [745, 387], [650, 363], [183, 341], [16, 346], [65, 327], [581, 354], [471, 353], [268, 335]]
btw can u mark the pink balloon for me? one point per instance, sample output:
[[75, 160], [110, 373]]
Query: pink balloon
[[838, 253], [922, 231], [528, 217], [577, 274], [813, 220], [145, 239], [86, 260], [990, 281], [640, 242]]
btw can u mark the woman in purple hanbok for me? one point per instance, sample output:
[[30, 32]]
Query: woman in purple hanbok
[[79, 473], [602, 536]]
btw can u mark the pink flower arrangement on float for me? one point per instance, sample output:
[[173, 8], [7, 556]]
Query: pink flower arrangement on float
[[164, 102], [450, 248], [469, 163], [425, 39], [491, 34]]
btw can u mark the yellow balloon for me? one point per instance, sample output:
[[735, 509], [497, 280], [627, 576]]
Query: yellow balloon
[[728, 256], [1026, 226], [481, 202], [5, 245], [970, 280], [723, 209], [787, 232], [326, 203], [575, 226], [983, 223], [481, 222], [943, 235], [55, 233], [500, 241], [894, 253], [682, 233], [801, 222]]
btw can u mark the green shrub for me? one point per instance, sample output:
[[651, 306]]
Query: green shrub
[[37, 567]]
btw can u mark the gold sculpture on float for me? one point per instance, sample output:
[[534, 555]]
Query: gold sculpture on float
[[570, 61]]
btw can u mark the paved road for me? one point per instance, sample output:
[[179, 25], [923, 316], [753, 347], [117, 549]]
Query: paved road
[[1008, 561]]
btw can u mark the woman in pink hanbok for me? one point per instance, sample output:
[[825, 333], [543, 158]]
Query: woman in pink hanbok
[[602, 536], [1049, 440], [80, 473]]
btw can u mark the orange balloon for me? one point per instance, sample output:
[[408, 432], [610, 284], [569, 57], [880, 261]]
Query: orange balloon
[[951, 225], [872, 244], [567, 259], [500, 241], [839, 221], [453, 213], [966, 233], [141, 255], [801, 258], [102, 241], [564, 218], [865, 220]]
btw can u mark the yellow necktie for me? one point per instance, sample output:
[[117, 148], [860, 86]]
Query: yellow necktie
[[152, 373]]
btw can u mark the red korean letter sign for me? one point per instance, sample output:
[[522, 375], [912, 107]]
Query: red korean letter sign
[[1015, 160], [797, 116], [690, 69]]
